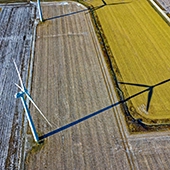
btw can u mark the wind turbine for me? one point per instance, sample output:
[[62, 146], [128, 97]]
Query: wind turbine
[[21, 94], [24, 91]]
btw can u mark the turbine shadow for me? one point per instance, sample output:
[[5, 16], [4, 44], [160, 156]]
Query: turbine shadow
[[148, 88], [105, 4], [88, 9], [64, 15]]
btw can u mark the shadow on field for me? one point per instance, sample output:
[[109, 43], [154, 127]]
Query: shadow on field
[[150, 93], [89, 8], [105, 4], [64, 15]]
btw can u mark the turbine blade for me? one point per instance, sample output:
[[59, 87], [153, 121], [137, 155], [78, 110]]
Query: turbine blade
[[32, 101], [22, 88], [22, 85], [19, 87]]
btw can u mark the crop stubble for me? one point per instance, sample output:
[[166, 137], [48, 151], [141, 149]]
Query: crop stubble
[[70, 82]]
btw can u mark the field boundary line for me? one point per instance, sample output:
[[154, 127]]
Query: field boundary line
[[114, 98], [28, 84]]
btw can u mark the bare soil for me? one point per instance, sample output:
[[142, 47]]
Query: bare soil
[[70, 81]]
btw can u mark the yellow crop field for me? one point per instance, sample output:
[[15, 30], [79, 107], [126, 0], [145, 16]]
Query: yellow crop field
[[140, 43]]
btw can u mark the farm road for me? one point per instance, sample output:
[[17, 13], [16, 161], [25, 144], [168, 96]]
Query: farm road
[[70, 80]]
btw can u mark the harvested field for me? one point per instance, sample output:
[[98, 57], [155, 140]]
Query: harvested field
[[139, 40], [102, 142], [16, 28], [71, 81]]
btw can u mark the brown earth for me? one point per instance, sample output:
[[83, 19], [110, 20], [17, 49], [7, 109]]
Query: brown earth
[[70, 81]]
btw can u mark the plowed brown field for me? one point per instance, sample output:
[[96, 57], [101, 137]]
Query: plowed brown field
[[71, 81]]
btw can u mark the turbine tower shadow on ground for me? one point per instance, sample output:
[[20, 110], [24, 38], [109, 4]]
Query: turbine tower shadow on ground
[[148, 88], [25, 92], [84, 10]]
